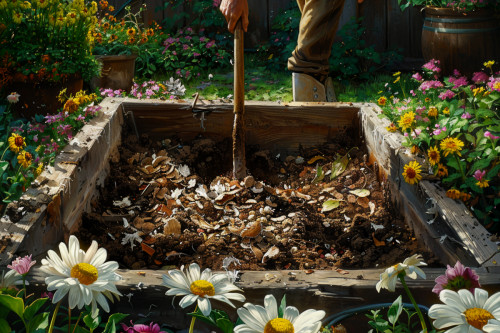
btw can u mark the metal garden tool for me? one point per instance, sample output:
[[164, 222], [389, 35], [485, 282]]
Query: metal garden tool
[[239, 163]]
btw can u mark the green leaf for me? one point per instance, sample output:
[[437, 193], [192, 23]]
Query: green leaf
[[14, 304], [4, 165], [282, 307], [33, 308], [339, 166], [39, 322], [319, 175], [480, 164], [330, 205], [91, 323], [113, 320], [4, 326], [395, 310], [225, 325]]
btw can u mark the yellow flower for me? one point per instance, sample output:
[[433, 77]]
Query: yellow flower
[[411, 172], [442, 170], [17, 17], [62, 95], [414, 150], [396, 74], [433, 111], [407, 120], [24, 159], [131, 40], [397, 79], [453, 193], [427, 99], [390, 128], [451, 145], [446, 111], [131, 32], [71, 105], [489, 64], [150, 32], [16, 143], [477, 91], [111, 8], [39, 170], [434, 156], [382, 100], [483, 183]]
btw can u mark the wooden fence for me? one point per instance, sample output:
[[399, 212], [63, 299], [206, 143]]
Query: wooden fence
[[387, 28]]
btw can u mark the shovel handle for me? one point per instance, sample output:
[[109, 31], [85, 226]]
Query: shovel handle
[[239, 69]]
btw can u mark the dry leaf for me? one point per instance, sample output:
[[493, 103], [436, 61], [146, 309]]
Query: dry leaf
[[314, 159], [172, 227], [363, 192], [271, 253], [330, 205], [363, 202], [148, 249], [200, 221], [309, 271], [257, 252], [252, 229], [341, 271], [376, 241]]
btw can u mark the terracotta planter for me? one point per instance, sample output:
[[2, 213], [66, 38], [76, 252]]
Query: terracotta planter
[[460, 40], [117, 72], [40, 97]]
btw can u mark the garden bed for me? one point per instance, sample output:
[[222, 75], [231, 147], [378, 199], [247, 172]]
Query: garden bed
[[53, 207]]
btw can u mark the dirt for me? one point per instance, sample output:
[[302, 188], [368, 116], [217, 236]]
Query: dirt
[[167, 203]]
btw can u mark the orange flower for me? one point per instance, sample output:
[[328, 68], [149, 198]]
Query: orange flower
[[464, 196], [414, 150], [442, 170], [382, 100], [391, 128], [453, 193], [150, 32], [433, 111], [434, 156], [70, 106], [45, 58]]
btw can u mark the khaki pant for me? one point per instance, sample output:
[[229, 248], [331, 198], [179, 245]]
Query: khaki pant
[[318, 25]]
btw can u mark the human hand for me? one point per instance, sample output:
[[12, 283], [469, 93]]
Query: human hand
[[233, 10]]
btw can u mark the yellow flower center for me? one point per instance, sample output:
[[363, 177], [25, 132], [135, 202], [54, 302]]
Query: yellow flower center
[[477, 317], [85, 273], [279, 325], [202, 288]]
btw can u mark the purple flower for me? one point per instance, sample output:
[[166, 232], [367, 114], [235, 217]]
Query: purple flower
[[456, 73], [456, 278], [210, 44], [494, 83], [196, 54], [433, 66], [49, 295], [458, 82], [487, 134], [80, 118], [65, 130], [466, 115], [479, 77], [426, 85], [478, 174], [185, 47], [140, 328], [448, 94], [22, 265]]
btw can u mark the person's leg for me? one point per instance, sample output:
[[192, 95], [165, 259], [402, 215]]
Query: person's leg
[[318, 25]]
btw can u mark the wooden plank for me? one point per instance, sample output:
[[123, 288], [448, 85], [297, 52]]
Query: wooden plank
[[276, 7], [350, 10], [374, 13], [273, 126], [398, 28], [416, 24], [154, 12]]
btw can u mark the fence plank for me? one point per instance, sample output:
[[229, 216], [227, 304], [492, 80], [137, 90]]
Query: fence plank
[[375, 21], [416, 24], [258, 28], [154, 12], [398, 32]]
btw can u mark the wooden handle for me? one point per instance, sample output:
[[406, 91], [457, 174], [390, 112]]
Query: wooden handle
[[239, 69]]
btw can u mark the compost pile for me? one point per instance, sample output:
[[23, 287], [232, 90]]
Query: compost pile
[[167, 203]]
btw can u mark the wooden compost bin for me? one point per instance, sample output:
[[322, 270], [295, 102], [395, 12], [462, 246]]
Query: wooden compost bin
[[51, 209]]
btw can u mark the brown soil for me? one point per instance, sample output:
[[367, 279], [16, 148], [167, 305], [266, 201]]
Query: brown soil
[[272, 220]]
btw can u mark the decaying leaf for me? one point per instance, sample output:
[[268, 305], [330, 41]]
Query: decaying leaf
[[372, 207], [172, 227], [339, 166], [319, 175], [252, 229], [148, 249], [341, 271], [363, 202], [257, 252], [200, 221], [329, 205], [314, 159], [271, 253], [362, 192], [376, 241]]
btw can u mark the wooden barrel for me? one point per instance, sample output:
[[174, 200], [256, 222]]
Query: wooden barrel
[[460, 40]]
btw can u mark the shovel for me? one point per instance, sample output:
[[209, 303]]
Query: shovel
[[239, 163]]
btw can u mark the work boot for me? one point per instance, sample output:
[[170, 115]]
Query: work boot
[[307, 89]]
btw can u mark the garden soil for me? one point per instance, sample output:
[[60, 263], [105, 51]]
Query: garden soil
[[169, 203]]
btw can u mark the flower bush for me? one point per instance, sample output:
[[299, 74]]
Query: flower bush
[[451, 126], [46, 40], [460, 5], [28, 147]]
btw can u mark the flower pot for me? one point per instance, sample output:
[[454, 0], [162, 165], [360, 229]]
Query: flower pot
[[460, 40], [40, 97], [117, 72]]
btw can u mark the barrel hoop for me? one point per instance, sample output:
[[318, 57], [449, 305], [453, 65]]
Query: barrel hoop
[[465, 20], [460, 31]]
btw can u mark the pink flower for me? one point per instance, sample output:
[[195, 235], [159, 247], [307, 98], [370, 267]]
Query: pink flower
[[48, 295], [22, 265], [417, 77], [13, 97], [478, 174], [466, 115], [479, 77], [210, 44], [487, 134], [196, 54], [140, 328], [80, 118], [494, 83], [458, 82], [426, 85], [433, 66], [448, 94], [456, 278]]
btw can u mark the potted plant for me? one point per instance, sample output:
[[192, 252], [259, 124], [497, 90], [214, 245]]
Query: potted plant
[[116, 46], [46, 47], [459, 33]]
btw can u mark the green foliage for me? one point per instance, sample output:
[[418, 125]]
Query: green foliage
[[216, 318], [352, 59], [29, 316]]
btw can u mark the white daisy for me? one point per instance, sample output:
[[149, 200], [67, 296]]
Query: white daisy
[[264, 319], [409, 266], [200, 287], [465, 312], [493, 326], [10, 279], [85, 276]]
